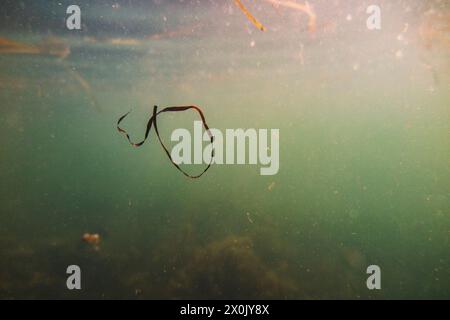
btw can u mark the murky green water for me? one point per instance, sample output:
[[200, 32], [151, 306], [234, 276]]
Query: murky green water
[[364, 152]]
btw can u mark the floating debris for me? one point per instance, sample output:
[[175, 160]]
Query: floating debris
[[50, 47], [152, 122], [306, 8], [271, 186], [93, 239], [250, 17]]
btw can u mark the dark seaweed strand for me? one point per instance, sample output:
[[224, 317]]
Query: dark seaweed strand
[[152, 121], [149, 126], [184, 108]]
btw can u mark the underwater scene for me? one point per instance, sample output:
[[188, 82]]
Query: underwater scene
[[337, 185]]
